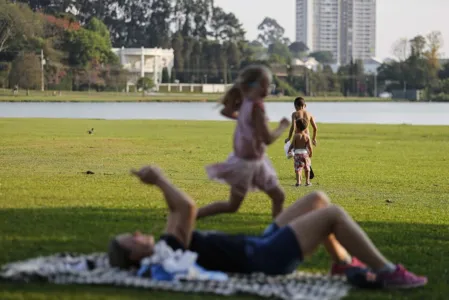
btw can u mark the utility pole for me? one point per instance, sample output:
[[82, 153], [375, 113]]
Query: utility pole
[[375, 84], [42, 70]]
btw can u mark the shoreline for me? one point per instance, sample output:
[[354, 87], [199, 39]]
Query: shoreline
[[209, 121], [76, 97], [321, 100]]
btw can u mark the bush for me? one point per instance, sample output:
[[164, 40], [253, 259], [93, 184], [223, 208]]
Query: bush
[[4, 72], [328, 94], [26, 71], [284, 87], [165, 76], [144, 83], [441, 97]]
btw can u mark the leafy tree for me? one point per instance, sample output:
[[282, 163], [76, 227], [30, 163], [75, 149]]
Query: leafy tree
[[26, 71], [165, 76], [18, 25], [298, 47], [417, 46], [324, 57], [100, 28], [158, 30], [4, 71], [115, 77], [270, 32], [145, 83], [84, 46], [280, 53], [226, 26]]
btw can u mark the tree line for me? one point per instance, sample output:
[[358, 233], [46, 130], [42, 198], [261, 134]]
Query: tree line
[[209, 44]]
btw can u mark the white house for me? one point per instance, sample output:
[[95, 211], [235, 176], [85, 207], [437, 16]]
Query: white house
[[370, 66], [145, 62], [308, 62]]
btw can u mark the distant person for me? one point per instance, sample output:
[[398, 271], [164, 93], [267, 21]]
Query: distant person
[[302, 151], [294, 235], [301, 113], [248, 167]]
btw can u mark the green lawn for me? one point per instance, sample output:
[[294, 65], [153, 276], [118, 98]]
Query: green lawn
[[47, 96], [48, 205]]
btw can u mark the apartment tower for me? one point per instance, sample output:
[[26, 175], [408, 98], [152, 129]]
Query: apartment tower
[[347, 28]]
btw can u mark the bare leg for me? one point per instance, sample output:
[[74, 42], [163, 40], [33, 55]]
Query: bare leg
[[298, 178], [220, 207], [304, 205], [313, 228], [307, 172], [277, 196]]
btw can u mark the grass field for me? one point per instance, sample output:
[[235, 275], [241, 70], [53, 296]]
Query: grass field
[[48, 205], [47, 96]]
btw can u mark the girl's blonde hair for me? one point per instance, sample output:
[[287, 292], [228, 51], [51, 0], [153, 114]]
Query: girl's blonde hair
[[248, 78]]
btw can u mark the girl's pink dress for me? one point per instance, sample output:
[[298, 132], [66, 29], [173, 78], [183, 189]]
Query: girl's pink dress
[[239, 171]]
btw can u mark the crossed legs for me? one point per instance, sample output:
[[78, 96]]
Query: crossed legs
[[316, 221]]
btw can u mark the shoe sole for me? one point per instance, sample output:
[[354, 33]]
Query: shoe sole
[[406, 286]]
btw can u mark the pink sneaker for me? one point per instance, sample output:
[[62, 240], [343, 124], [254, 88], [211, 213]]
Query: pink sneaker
[[401, 278], [340, 269]]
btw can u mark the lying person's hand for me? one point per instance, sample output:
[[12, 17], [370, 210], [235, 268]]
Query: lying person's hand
[[148, 174]]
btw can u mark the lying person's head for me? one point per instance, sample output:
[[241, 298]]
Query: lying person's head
[[127, 250], [301, 124]]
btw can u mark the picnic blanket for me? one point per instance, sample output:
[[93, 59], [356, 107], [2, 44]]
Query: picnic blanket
[[94, 269]]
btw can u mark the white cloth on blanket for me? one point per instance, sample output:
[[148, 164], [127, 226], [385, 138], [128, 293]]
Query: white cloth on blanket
[[167, 264]]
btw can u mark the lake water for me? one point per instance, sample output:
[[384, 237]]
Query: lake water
[[333, 112]]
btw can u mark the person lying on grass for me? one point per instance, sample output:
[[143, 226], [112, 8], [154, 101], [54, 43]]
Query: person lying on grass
[[294, 235]]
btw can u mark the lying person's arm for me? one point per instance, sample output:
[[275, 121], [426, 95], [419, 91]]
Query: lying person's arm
[[182, 209]]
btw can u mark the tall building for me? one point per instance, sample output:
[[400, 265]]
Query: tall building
[[347, 28]]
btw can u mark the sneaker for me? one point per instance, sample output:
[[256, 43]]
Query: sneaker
[[402, 279], [340, 269]]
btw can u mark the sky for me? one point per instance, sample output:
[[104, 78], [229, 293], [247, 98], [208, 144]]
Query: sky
[[395, 19]]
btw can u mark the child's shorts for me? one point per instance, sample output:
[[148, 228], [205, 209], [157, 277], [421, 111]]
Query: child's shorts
[[302, 161]]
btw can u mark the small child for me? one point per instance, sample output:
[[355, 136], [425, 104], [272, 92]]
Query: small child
[[301, 112], [248, 167], [302, 147]]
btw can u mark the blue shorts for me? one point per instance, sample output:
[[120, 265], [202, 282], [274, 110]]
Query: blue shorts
[[276, 252]]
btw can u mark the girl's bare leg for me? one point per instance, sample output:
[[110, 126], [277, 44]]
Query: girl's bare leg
[[315, 227], [220, 207], [277, 196]]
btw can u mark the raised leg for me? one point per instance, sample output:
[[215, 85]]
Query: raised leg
[[315, 227]]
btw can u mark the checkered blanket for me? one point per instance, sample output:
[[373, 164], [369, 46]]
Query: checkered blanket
[[94, 269]]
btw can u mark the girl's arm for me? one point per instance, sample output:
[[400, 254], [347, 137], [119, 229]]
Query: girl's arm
[[261, 126], [230, 113], [290, 133]]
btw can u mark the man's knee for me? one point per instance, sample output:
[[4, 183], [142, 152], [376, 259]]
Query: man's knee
[[320, 199], [338, 212]]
